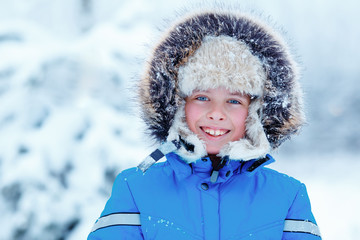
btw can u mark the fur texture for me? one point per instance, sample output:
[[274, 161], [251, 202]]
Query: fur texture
[[258, 63], [222, 62]]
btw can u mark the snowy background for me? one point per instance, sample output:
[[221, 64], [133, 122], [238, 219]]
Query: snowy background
[[68, 124]]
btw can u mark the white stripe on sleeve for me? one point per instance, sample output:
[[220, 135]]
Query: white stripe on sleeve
[[301, 226], [116, 219]]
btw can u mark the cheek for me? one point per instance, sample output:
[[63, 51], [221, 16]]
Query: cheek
[[240, 122], [191, 114]]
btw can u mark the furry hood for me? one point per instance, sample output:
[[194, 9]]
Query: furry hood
[[222, 48]]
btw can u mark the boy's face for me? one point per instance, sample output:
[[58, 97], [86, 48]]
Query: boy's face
[[217, 116]]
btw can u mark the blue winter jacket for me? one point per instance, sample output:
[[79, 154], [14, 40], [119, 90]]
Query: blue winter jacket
[[174, 200]]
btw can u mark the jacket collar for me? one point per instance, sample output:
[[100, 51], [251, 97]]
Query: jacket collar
[[203, 167]]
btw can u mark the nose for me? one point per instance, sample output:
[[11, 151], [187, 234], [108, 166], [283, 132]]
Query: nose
[[216, 113]]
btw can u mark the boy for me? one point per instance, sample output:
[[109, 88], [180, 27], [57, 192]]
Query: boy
[[219, 93]]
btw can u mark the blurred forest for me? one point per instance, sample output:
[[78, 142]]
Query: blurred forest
[[68, 119]]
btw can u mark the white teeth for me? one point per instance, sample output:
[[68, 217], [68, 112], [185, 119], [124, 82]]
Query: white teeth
[[215, 132]]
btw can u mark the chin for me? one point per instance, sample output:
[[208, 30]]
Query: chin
[[213, 151]]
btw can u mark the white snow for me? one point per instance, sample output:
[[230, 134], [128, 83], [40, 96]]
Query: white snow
[[67, 123], [332, 182]]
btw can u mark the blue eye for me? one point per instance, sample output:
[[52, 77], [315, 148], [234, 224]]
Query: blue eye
[[234, 101], [202, 98]]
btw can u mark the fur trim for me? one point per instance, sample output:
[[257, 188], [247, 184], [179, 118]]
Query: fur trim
[[222, 62], [181, 129], [268, 72]]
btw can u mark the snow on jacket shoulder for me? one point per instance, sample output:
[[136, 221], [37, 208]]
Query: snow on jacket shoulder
[[175, 200]]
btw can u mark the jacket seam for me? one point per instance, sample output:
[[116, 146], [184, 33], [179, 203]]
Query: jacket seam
[[132, 197], [113, 213], [296, 195], [257, 230]]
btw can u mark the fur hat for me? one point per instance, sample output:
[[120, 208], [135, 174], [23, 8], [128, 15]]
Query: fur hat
[[229, 49]]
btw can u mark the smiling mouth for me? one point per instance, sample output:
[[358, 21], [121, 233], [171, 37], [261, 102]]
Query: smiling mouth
[[214, 132]]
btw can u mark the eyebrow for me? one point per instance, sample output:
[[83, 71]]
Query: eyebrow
[[238, 94]]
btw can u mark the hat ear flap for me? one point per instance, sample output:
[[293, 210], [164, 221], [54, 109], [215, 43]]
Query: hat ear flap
[[179, 131]]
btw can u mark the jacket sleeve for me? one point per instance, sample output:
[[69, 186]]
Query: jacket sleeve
[[120, 219], [300, 222]]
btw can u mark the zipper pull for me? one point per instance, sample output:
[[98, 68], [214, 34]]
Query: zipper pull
[[214, 176]]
